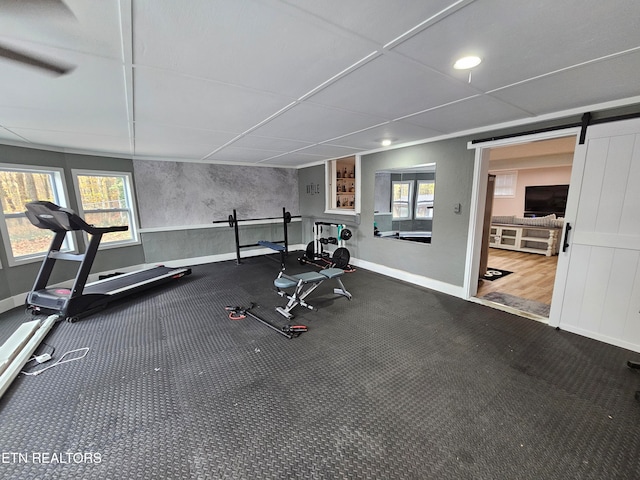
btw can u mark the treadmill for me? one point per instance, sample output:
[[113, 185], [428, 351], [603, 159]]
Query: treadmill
[[83, 298]]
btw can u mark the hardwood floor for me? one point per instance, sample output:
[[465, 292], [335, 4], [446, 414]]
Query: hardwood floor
[[532, 278]]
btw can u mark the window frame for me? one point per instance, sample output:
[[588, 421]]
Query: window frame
[[132, 209], [430, 203], [409, 201], [61, 198]]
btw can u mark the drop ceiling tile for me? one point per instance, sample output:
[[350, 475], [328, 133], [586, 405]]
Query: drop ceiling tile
[[83, 121], [294, 159], [328, 150], [77, 142], [270, 143], [89, 100], [315, 124], [9, 136], [400, 87], [96, 84], [520, 40], [261, 45], [175, 142], [242, 155], [475, 112], [613, 79], [399, 132], [380, 21], [169, 98]]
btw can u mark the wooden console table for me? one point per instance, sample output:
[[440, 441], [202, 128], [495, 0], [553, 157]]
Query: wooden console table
[[523, 238]]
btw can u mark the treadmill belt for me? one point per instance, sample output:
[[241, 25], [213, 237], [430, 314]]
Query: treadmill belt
[[118, 283]]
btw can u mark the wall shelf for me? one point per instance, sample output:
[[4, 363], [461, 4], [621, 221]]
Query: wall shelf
[[343, 185]]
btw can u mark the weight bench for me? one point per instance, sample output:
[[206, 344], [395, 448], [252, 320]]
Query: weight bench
[[278, 248], [303, 284]]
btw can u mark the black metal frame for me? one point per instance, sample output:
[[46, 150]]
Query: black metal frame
[[286, 218], [77, 302]]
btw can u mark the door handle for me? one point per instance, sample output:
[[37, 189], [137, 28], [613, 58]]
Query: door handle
[[567, 229]]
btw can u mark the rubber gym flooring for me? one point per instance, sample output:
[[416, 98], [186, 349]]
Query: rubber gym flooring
[[399, 383]]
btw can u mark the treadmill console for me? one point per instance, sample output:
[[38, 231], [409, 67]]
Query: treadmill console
[[49, 216]]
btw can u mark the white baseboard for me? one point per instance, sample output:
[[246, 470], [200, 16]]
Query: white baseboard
[[223, 257], [454, 290], [7, 304]]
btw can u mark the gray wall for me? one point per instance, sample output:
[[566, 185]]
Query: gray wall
[[183, 194], [444, 258], [311, 183], [19, 279]]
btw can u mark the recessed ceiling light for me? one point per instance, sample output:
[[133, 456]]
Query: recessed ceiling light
[[465, 63], [386, 142]]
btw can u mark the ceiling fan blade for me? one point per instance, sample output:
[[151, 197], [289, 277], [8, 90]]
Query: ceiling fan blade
[[37, 7], [33, 61]]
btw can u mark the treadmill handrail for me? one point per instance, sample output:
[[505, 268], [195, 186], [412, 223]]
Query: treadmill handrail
[[49, 216]]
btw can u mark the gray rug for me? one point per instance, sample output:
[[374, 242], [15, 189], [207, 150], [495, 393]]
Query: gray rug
[[523, 304]]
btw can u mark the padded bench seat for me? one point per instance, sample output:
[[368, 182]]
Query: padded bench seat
[[303, 284], [292, 281]]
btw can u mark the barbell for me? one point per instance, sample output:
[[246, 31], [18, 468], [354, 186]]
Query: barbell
[[231, 220]]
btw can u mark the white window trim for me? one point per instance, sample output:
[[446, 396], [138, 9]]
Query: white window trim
[[514, 183], [62, 200], [410, 183], [418, 182], [129, 194]]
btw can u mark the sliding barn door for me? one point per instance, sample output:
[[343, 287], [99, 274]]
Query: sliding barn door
[[597, 289]]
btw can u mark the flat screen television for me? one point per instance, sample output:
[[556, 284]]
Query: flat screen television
[[541, 200]]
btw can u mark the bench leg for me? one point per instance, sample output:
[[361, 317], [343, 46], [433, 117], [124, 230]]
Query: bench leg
[[296, 299], [341, 291]]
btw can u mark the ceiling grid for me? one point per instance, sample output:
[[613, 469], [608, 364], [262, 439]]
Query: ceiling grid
[[294, 83]]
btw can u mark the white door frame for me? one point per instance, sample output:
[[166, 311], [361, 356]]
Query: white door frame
[[478, 198]]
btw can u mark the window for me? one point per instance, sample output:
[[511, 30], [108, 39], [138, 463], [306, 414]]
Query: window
[[20, 186], [401, 200], [424, 199], [505, 186], [105, 199]]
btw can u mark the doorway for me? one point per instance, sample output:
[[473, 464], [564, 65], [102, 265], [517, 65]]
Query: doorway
[[521, 270]]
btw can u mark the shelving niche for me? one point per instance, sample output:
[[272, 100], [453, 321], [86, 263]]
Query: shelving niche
[[343, 185]]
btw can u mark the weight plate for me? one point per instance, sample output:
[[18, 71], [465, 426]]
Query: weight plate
[[309, 253], [341, 257], [345, 234]]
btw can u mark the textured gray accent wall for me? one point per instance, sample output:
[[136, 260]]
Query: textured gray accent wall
[[201, 242], [181, 194]]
